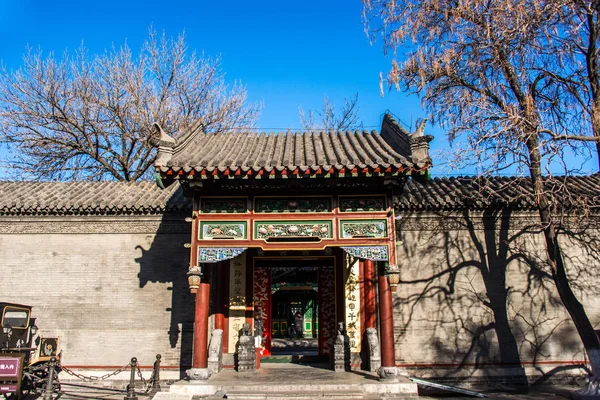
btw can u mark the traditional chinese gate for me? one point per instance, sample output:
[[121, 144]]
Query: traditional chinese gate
[[235, 232], [291, 192]]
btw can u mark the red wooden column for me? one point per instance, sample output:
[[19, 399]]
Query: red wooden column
[[388, 368], [200, 356], [369, 296], [221, 302]]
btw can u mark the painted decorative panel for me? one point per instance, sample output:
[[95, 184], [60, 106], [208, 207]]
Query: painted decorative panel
[[237, 300], [292, 204], [327, 327], [262, 306], [368, 228], [219, 230], [375, 253], [362, 203], [269, 229], [352, 295], [225, 205], [216, 254]]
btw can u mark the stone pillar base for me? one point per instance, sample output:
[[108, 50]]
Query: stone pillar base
[[198, 374], [389, 374]]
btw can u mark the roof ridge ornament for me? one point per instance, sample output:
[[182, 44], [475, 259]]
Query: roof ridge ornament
[[164, 142], [419, 143]]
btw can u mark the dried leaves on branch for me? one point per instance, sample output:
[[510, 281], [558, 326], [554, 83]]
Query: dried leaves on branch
[[518, 80], [505, 68], [89, 116]]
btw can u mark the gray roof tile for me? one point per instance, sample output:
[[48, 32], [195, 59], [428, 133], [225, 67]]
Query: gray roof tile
[[116, 198], [89, 198], [285, 150], [458, 193]]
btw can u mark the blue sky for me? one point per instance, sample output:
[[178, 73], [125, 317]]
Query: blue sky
[[286, 53]]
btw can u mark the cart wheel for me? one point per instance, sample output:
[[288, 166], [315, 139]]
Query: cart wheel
[[26, 386]]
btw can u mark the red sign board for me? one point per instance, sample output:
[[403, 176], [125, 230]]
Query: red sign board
[[9, 367]]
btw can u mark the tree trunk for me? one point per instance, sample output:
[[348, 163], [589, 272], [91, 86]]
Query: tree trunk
[[495, 259], [574, 307], [591, 58]]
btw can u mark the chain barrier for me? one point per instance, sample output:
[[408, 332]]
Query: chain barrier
[[147, 383], [92, 378]]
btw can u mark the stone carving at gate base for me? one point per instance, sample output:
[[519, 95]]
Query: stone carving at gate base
[[215, 351], [388, 373], [374, 350], [246, 353], [339, 358], [198, 374]]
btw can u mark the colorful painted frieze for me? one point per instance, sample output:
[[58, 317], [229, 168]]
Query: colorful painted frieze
[[219, 230], [373, 228], [273, 229]]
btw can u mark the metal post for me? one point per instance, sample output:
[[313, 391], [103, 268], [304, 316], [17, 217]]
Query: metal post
[[156, 374], [131, 387], [50, 383]]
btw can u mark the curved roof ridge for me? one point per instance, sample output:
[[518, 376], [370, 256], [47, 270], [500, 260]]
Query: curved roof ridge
[[183, 140], [265, 152]]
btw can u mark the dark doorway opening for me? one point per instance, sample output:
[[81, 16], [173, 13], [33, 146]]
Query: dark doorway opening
[[299, 324], [295, 311]]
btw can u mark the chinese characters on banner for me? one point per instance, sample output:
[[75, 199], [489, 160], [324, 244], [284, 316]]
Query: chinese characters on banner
[[262, 300], [237, 299], [9, 367], [352, 294]]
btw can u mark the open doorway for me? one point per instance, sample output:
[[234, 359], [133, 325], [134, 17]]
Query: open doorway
[[295, 311], [295, 298]]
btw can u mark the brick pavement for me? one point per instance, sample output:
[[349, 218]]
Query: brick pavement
[[237, 384]]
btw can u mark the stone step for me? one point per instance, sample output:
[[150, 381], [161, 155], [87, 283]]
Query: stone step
[[306, 395], [296, 358], [284, 387]]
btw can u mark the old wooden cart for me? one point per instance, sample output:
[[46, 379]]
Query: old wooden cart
[[24, 355]]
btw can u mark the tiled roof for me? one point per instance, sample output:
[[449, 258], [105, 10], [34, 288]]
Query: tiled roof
[[145, 198], [196, 152], [89, 198], [478, 193], [270, 151]]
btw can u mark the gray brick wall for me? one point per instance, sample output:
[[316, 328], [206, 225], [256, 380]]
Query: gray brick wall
[[472, 302], [108, 296], [113, 288]]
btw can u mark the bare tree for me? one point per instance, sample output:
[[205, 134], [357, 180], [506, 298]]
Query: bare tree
[[485, 71], [575, 40], [89, 116], [330, 119]]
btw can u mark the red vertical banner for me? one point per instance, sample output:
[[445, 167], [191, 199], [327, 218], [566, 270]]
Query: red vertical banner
[[326, 316], [262, 305]]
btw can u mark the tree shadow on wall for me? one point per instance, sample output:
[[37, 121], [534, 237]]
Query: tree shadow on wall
[[481, 288], [166, 260]]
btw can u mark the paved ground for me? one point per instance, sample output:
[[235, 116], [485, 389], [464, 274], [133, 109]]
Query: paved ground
[[299, 376], [546, 392]]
